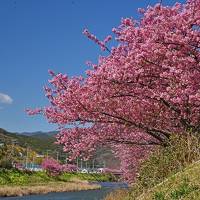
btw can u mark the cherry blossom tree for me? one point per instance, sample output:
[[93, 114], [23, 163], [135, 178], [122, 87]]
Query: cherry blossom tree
[[138, 94], [69, 168], [52, 166]]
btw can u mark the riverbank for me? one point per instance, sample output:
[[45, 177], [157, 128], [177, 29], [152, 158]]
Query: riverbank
[[91, 194], [16, 177], [19, 183], [9, 190]]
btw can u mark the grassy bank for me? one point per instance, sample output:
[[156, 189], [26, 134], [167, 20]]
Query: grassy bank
[[18, 183], [15, 177], [120, 194], [45, 188], [184, 185], [170, 173]]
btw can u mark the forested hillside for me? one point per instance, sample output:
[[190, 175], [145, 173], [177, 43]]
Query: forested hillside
[[39, 142]]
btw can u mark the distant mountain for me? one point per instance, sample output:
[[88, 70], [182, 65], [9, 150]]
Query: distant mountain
[[40, 142], [50, 133]]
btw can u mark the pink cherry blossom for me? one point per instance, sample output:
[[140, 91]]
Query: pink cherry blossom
[[52, 166], [145, 90]]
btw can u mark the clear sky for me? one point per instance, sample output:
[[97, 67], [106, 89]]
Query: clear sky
[[37, 35]]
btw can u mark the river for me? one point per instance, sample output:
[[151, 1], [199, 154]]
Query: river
[[79, 195]]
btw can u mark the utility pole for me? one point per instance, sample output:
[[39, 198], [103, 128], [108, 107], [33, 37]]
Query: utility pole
[[12, 155], [66, 159], [48, 153], [93, 164], [26, 161], [81, 163], [77, 162], [33, 163], [104, 164], [57, 155]]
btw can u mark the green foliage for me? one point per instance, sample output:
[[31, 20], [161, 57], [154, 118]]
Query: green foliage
[[159, 196], [183, 190], [16, 177], [12, 177], [87, 177]]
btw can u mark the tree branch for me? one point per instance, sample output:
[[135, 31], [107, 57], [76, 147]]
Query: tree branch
[[133, 143]]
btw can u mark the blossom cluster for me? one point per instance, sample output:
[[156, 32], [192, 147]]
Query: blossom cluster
[[54, 168], [92, 37], [144, 91]]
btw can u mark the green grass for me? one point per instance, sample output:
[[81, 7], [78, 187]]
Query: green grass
[[15, 177], [184, 185], [167, 174], [87, 177]]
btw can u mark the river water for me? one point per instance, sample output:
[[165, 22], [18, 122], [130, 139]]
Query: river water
[[80, 195]]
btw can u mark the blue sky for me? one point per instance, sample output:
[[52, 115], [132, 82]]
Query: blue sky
[[37, 35]]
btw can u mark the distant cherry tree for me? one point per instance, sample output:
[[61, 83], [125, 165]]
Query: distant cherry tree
[[52, 166], [69, 168], [144, 90]]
